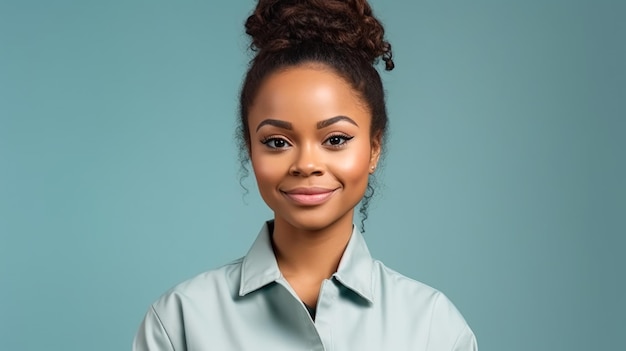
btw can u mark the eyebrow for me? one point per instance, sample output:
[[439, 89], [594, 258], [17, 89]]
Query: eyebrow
[[276, 123], [325, 123], [321, 124]]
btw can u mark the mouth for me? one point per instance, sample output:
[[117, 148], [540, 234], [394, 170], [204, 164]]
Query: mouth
[[309, 196]]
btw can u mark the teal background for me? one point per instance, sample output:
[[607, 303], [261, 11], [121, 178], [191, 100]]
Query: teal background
[[504, 184]]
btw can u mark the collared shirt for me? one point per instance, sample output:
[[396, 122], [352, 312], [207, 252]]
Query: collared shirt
[[248, 305]]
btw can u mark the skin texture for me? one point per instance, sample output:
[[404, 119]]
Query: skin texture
[[310, 132]]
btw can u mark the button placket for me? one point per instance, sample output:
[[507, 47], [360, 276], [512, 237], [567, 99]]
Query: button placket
[[324, 317], [314, 338]]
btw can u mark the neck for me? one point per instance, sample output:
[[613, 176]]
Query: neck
[[310, 253]]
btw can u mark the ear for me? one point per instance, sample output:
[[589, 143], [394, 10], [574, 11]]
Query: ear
[[375, 151]]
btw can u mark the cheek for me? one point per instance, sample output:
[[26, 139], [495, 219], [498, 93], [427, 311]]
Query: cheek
[[263, 172], [354, 166], [268, 171]]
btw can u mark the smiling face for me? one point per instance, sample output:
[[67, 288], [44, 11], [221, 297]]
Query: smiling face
[[310, 147]]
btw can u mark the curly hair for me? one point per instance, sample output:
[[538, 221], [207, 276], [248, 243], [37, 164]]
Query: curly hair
[[342, 35]]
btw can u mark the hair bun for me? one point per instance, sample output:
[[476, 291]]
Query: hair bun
[[349, 25]]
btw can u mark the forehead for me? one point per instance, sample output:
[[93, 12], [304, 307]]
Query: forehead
[[307, 93]]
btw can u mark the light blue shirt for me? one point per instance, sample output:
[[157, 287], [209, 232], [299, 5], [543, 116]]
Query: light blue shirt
[[248, 305]]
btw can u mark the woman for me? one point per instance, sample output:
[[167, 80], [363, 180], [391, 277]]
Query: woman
[[313, 122]]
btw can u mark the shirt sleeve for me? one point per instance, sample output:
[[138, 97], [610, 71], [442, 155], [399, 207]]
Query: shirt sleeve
[[466, 341], [448, 330], [151, 335]]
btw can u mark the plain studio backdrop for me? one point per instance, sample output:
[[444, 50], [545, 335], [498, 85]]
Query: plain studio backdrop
[[504, 183]]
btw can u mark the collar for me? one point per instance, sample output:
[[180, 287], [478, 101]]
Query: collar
[[259, 267]]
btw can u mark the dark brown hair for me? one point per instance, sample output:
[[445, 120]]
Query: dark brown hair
[[341, 35]]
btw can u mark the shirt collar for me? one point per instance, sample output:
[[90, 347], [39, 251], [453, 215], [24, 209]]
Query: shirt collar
[[259, 266], [356, 267]]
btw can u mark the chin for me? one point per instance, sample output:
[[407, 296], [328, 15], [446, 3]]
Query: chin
[[312, 221]]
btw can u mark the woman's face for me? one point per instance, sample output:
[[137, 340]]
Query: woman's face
[[310, 146]]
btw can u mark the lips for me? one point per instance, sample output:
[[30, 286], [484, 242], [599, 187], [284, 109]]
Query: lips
[[309, 196]]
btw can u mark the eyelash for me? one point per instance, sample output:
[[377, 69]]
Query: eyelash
[[345, 139], [268, 140]]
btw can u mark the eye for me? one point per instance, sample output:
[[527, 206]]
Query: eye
[[275, 143], [338, 140]]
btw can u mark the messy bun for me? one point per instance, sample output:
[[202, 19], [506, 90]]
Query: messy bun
[[277, 25], [341, 35]]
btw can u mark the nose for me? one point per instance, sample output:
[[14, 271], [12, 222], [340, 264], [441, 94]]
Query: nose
[[307, 162]]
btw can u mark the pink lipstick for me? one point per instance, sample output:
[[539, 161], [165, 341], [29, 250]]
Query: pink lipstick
[[309, 196]]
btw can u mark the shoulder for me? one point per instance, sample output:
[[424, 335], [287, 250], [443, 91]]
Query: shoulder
[[421, 302], [413, 293], [218, 283], [185, 307], [402, 288]]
